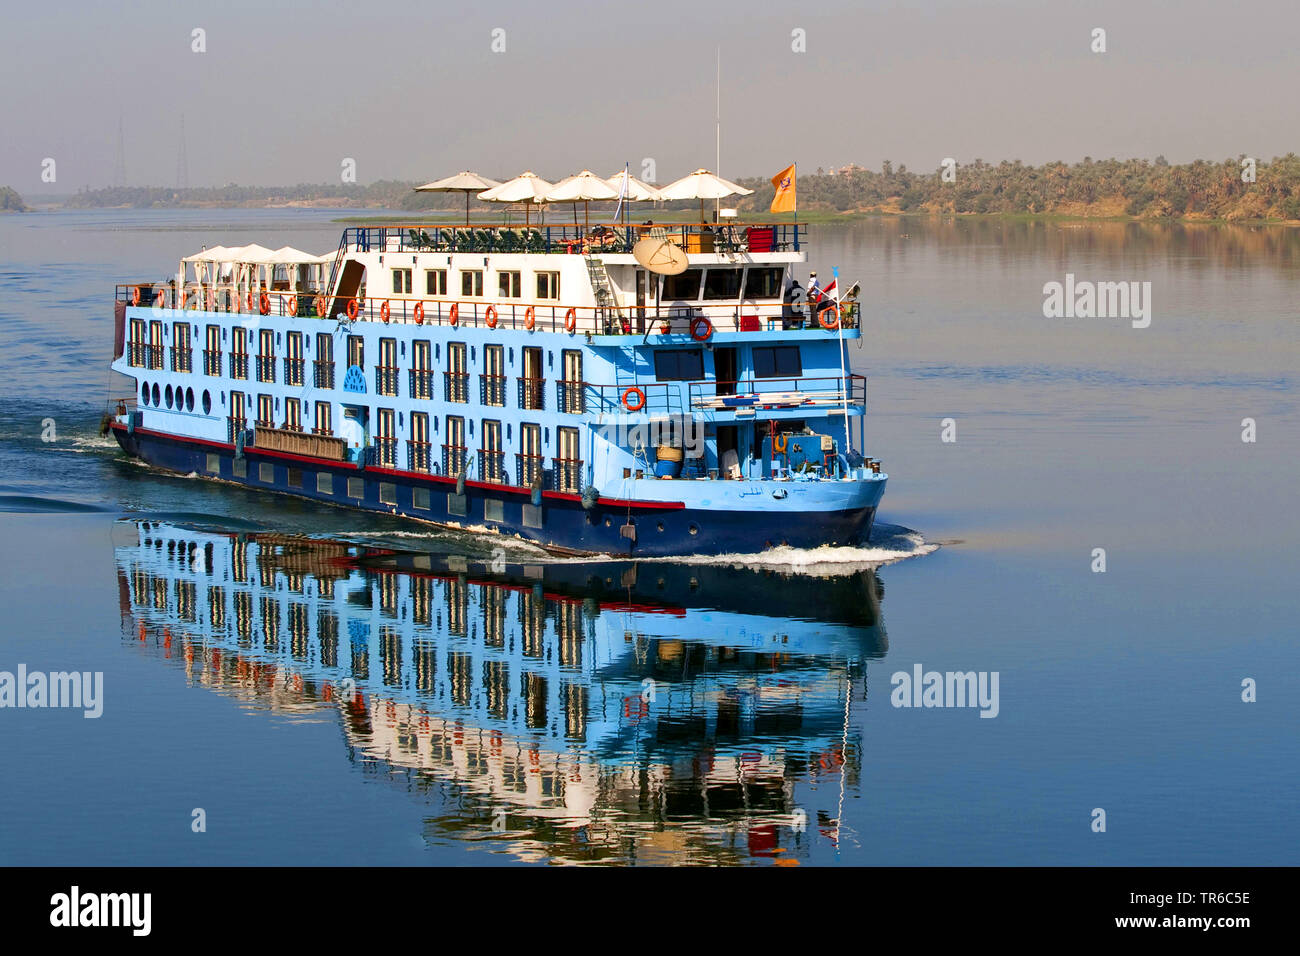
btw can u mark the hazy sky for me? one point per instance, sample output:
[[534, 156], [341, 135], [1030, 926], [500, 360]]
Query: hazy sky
[[411, 90]]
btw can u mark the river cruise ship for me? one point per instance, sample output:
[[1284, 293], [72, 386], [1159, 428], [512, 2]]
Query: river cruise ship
[[634, 390]]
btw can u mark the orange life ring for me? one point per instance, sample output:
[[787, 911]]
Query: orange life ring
[[352, 309], [455, 313], [701, 328], [384, 312], [419, 313], [780, 442], [161, 300], [491, 316], [633, 390], [571, 320], [135, 296], [264, 304], [249, 306], [530, 318], [821, 317], [292, 306], [320, 306]]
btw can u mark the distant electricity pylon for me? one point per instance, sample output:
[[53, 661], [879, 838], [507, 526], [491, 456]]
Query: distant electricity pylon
[[182, 161]]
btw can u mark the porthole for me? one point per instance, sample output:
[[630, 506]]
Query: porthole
[[694, 529], [207, 402], [189, 399], [156, 395], [661, 526], [144, 393], [167, 396]]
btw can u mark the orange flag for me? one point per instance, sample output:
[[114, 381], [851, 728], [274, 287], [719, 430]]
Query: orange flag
[[783, 201]]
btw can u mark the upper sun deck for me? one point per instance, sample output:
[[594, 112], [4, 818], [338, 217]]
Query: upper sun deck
[[561, 278], [773, 241]]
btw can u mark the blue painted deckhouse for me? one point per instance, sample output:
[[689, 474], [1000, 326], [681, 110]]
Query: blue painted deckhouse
[[632, 390]]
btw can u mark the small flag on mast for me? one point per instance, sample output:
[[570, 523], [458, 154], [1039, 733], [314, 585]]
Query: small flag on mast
[[784, 200], [622, 191]]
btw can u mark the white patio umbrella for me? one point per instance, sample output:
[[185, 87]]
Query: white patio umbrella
[[702, 185], [463, 182], [527, 188], [637, 190], [585, 187]]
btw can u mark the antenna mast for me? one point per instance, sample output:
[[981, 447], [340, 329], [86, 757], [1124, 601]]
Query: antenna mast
[[717, 158]]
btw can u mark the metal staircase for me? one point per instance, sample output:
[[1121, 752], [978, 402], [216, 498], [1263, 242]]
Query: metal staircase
[[606, 299]]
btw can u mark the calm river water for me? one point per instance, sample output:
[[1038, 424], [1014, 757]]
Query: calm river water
[[330, 687]]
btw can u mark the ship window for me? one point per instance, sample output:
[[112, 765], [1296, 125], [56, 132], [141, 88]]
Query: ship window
[[509, 285], [781, 361], [722, 284], [388, 493], [144, 392], [356, 487], [156, 397], [471, 282], [207, 402], [324, 483], [685, 285], [764, 283], [435, 281], [167, 396], [189, 399], [401, 281], [548, 285], [679, 365]]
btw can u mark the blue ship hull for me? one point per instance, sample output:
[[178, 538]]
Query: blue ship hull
[[559, 522]]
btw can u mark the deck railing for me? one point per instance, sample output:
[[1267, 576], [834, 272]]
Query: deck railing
[[566, 474], [239, 365], [759, 393], [580, 238], [266, 368], [699, 319], [491, 465], [530, 469], [422, 382], [532, 394], [182, 359], [293, 371], [456, 386], [418, 457], [386, 451], [322, 373], [453, 460], [386, 379], [212, 362], [492, 390], [570, 397]]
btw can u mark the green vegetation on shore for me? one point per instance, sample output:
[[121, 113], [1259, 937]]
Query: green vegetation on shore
[[10, 201], [1091, 189]]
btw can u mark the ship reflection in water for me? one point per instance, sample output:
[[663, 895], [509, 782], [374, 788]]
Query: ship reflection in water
[[594, 712]]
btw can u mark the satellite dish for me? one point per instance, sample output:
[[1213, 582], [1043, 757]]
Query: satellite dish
[[661, 256]]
